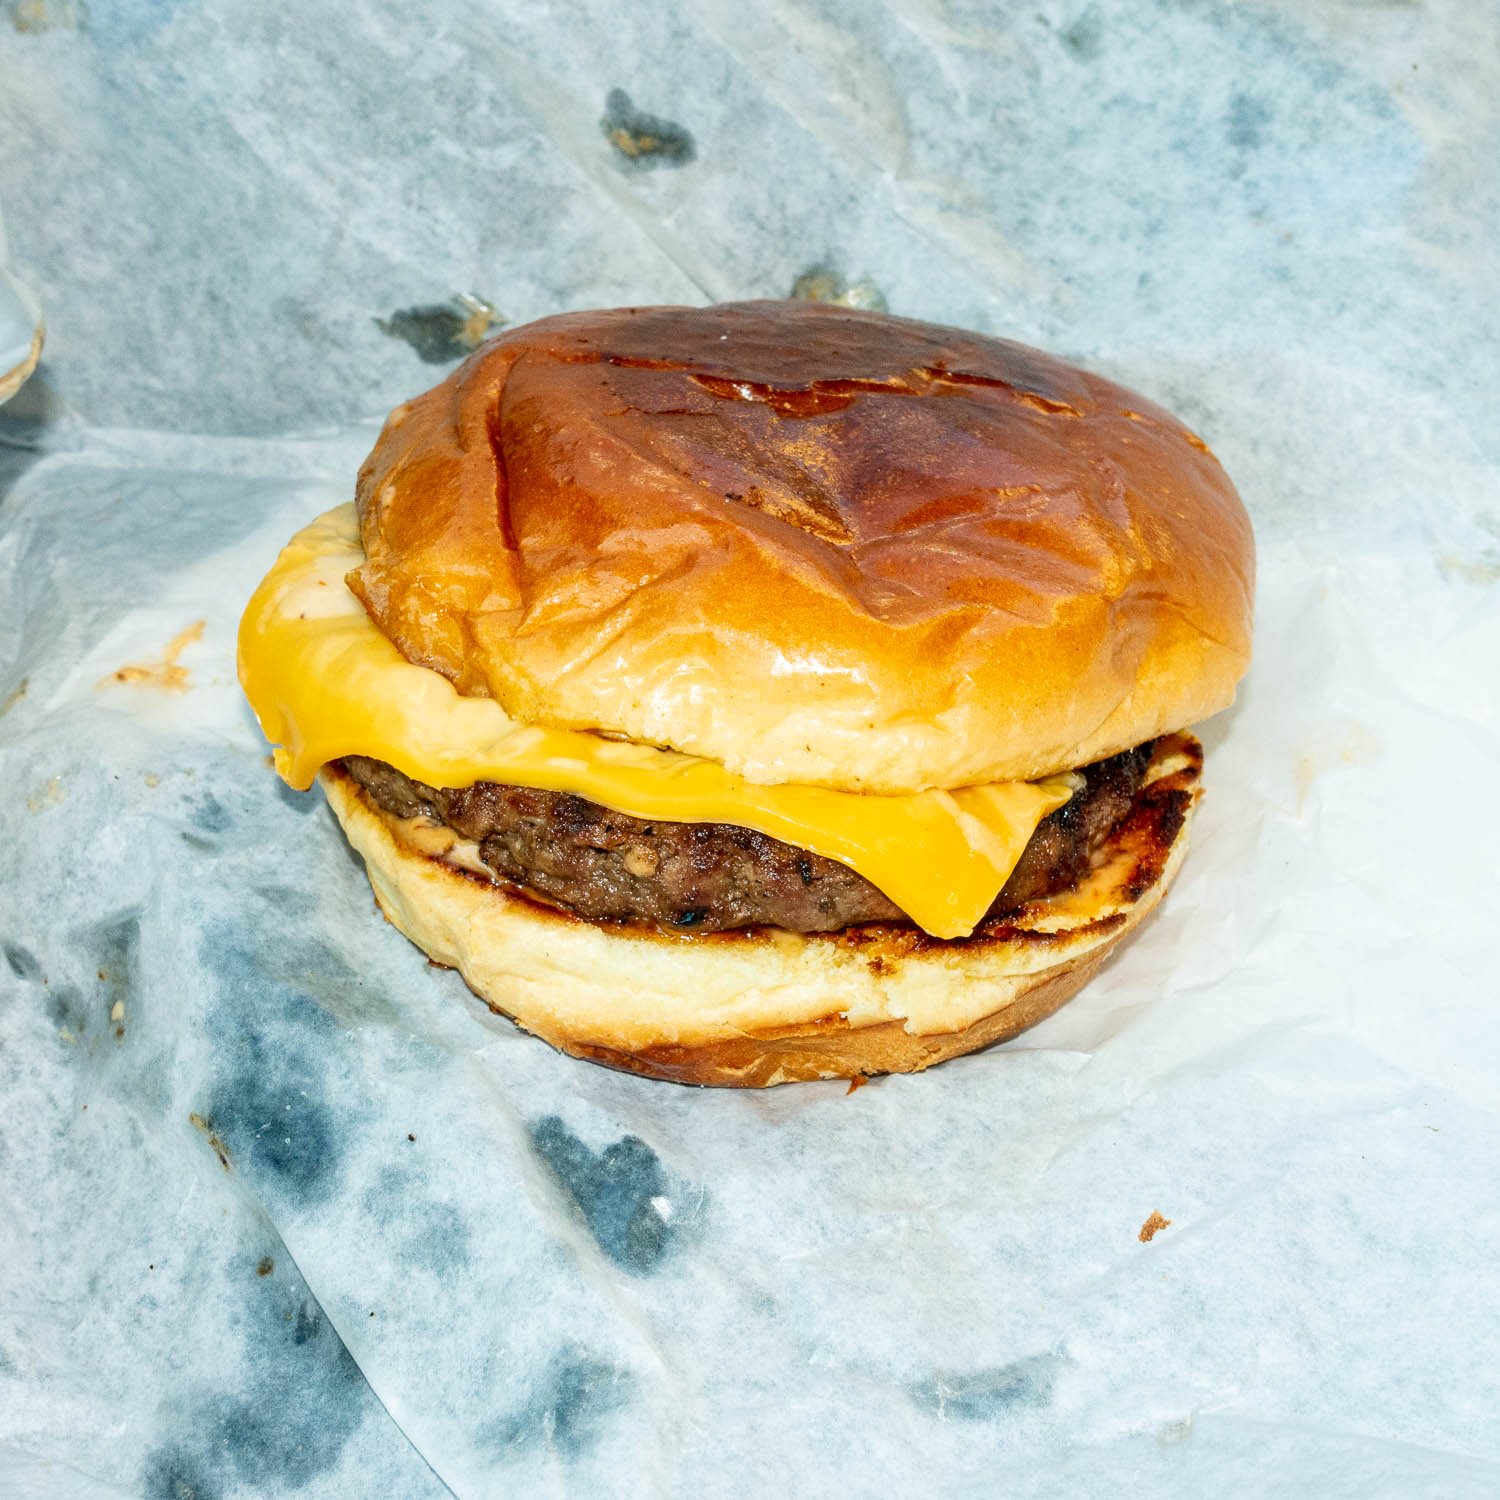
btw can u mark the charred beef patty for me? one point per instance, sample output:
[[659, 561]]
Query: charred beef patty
[[710, 876]]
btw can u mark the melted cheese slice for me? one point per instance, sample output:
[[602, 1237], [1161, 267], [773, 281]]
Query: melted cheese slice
[[324, 683]]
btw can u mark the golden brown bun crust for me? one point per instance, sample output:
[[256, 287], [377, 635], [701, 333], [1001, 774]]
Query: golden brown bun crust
[[813, 544], [748, 1009]]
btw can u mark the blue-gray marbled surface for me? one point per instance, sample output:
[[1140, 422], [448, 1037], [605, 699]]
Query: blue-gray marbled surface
[[284, 1213]]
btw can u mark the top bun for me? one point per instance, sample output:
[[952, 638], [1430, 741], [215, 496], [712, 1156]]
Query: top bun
[[816, 545]]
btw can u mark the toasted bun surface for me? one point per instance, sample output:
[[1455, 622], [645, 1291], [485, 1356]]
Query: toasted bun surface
[[763, 1007], [816, 545]]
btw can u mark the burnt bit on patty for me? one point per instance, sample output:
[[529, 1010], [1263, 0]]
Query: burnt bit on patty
[[709, 877]]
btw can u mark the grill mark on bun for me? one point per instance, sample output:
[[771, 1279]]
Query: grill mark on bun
[[821, 397], [503, 522]]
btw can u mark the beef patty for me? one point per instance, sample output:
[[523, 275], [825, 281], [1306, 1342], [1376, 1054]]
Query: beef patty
[[707, 877]]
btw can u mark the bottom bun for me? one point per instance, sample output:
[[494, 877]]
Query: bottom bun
[[759, 1007]]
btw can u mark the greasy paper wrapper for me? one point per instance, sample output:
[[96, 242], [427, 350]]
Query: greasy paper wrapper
[[284, 1211], [344, 1217]]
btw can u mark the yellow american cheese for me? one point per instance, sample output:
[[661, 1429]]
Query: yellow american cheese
[[325, 682]]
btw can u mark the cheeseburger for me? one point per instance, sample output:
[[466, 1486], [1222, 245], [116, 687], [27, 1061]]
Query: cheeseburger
[[762, 692]]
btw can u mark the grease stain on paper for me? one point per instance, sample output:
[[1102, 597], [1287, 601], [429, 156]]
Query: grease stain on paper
[[67, 1012], [1354, 745], [567, 1409], [1481, 570], [52, 794], [426, 1233], [33, 17], [174, 1474], [266, 1117], [978, 1395], [1248, 117], [167, 674], [821, 282], [111, 947], [210, 815], [621, 1192], [441, 333], [1083, 35], [22, 962], [642, 140], [269, 1105], [294, 1402]]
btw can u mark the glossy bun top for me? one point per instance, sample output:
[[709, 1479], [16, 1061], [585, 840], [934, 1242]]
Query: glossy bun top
[[814, 544]]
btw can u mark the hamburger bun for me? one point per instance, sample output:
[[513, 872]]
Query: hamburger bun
[[817, 546]]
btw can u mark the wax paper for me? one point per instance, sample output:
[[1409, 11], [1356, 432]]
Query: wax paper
[[20, 329], [284, 1211]]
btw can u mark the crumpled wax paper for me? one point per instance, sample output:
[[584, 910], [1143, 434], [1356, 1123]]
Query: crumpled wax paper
[[285, 1208], [284, 1211]]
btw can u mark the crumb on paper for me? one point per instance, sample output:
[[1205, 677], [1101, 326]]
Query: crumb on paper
[[219, 1149], [152, 779], [642, 139], [265, 1266], [117, 1011], [857, 1082], [168, 673], [48, 796], [1152, 1227]]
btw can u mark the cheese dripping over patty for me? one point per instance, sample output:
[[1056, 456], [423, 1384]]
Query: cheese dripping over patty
[[325, 683]]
